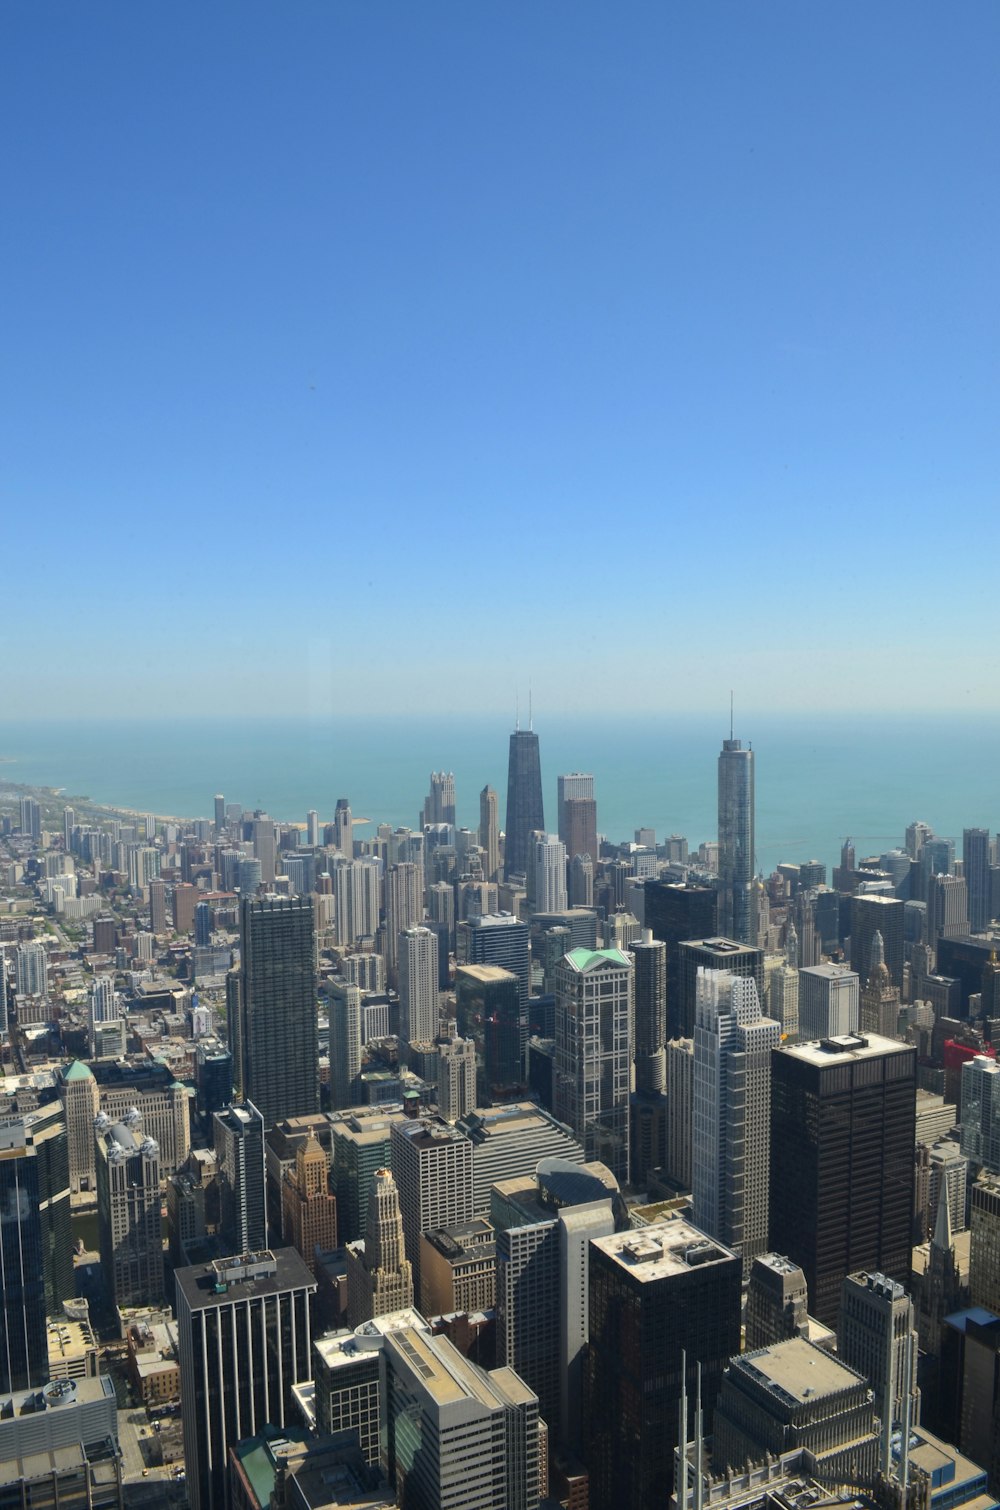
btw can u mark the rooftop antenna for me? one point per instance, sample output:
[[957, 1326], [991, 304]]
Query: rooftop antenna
[[529, 706], [730, 714], [517, 713]]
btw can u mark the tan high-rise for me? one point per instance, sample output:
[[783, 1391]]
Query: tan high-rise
[[379, 1275], [309, 1210]]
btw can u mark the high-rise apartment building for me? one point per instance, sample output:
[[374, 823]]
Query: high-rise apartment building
[[404, 907], [419, 1014], [309, 1211], [525, 811], [31, 818], [843, 1118], [356, 894], [265, 848], [343, 828], [829, 1001], [128, 1211], [458, 1436], [655, 1294], [345, 1042], [649, 960], [489, 832], [439, 805], [32, 969], [244, 1340], [278, 1019], [238, 1133], [432, 1168], [36, 1254], [593, 1037], [456, 1077], [549, 859], [733, 1041], [871, 914], [976, 870], [737, 892], [379, 1275]]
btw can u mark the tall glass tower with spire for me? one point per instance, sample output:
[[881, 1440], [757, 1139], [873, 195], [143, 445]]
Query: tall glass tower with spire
[[737, 895], [525, 813]]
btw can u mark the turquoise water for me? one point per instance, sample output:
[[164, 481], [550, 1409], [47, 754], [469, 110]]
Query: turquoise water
[[818, 779]]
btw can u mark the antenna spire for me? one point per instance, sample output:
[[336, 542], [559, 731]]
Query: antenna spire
[[530, 720], [730, 714], [517, 712]]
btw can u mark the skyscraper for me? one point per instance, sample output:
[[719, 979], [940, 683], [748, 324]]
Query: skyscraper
[[593, 1022], [419, 1015], [36, 1255], [128, 1211], [871, 914], [976, 869], [737, 895], [345, 1042], [487, 1004], [711, 954], [432, 1168], [828, 1001], [880, 999], [549, 859], [239, 1150], [843, 1119], [489, 832], [279, 1037], [655, 1294], [404, 908], [649, 957], [732, 1112], [244, 1341], [308, 1210], [947, 908], [379, 1274], [577, 814], [980, 1108], [525, 810], [675, 913], [343, 828], [439, 805]]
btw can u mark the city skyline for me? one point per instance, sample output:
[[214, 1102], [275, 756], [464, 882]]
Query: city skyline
[[392, 288]]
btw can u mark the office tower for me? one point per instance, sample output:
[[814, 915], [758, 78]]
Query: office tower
[[500, 939], [947, 908], [359, 1142], [162, 1103], [432, 1168], [574, 787], [829, 1002], [843, 1117], [213, 1075], [655, 1294], [343, 828], [737, 895], [487, 1009], [710, 954], [976, 870], [525, 812], [103, 1007], [69, 822], [984, 1242], [457, 1435], [244, 1341], [732, 1102], [278, 1026], [510, 1140], [550, 874], [544, 1221], [489, 832], [78, 1093], [31, 818], [265, 848], [581, 881], [790, 1395], [649, 959], [871, 914], [203, 924], [593, 1034], [346, 1369], [238, 1134], [345, 1042], [777, 1302], [441, 909], [158, 907], [220, 812], [879, 1011], [36, 1262], [32, 969], [419, 1016], [404, 907], [680, 1111], [674, 913], [980, 1108], [917, 835], [456, 1078], [379, 1275], [248, 877], [308, 1210], [875, 1331], [128, 1211], [439, 805]]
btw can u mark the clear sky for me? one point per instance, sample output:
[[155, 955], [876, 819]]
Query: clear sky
[[369, 354]]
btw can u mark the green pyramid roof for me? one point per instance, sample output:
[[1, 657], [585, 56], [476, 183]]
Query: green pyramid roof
[[77, 1071]]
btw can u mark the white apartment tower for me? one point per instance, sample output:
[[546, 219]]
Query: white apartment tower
[[418, 985], [593, 1057]]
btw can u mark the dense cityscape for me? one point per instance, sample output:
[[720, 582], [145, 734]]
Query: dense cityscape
[[347, 1165]]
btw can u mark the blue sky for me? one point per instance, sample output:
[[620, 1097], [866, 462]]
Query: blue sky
[[368, 355]]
